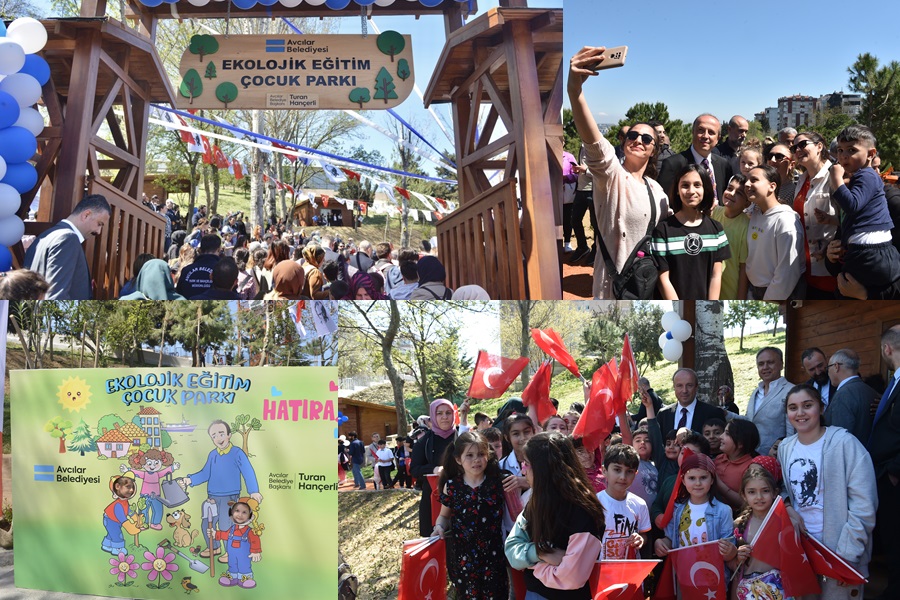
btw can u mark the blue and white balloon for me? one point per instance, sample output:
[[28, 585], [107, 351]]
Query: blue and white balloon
[[23, 87], [28, 33]]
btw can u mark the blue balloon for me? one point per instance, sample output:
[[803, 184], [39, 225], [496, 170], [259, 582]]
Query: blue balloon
[[2, 29], [5, 255], [21, 176], [9, 110], [17, 144], [337, 4], [430, 3], [268, 2], [245, 4], [151, 3], [37, 67], [364, 2]]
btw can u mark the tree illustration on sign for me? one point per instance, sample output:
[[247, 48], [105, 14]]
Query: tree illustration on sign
[[384, 86], [82, 439], [360, 95], [192, 85], [226, 92], [403, 69], [59, 428], [390, 43], [244, 424], [203, 44], [211, 70]]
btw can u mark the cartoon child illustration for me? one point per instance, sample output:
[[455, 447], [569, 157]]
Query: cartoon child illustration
[[115, 517], [156, 465], [243, 543]]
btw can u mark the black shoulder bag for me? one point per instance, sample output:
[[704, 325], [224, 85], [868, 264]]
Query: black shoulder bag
[[637, 281]]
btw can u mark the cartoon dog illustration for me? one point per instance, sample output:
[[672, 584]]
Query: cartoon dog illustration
[[181, 521]]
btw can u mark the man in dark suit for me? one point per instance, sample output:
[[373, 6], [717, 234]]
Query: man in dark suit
[[850, 405], [816, 366], [57, 253], [884, 445], [705, 133], [688, 412]]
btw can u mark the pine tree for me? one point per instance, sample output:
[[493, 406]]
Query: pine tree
[[82, 440], [384, 86]]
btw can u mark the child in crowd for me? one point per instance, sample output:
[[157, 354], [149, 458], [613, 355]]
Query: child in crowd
[[22, 284], [482, 421], [773, 451], [384, 461], [829, 485], [473, 506], [712, 431], [556, 423], [517, 430], [557, 538], [495, 441], [592, 464], [646, 482], [775, 260], [755, 578], [735, 223], [739, 442], [697, 444], [627, 517], [748, 156], [870, 256], [690, 247]]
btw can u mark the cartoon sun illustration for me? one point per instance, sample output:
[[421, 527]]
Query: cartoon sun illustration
[[74, 394]]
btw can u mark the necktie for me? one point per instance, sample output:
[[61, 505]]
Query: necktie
[[882, 406], [683, 421], [712, 175]]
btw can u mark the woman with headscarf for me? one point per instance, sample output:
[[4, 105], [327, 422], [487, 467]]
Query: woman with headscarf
[[288, 279], [427, 454], [314, 255], [154, 282], [363, 287], [470, 292], [431, 280], [178, 238]]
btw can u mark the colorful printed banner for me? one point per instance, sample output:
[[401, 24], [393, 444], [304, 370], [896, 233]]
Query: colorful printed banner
[[119, 473]]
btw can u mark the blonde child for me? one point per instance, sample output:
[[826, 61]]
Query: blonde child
[[749, 156]]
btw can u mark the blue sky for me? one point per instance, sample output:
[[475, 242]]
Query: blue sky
[[753, 53]]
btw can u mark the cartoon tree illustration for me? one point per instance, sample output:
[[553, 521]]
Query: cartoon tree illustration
[[244, 424], [108, 423], [384, 85], [226, 92], [390, 43], [360, 95], [82, 439], [192, 85], [210, 70], [203, 44], [403, 69], [58, 428]]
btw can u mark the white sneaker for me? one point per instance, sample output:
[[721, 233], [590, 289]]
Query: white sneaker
[[567, 248]]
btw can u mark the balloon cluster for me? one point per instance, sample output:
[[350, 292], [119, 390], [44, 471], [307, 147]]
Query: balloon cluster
[[676, 330], [22, 75], [341, 419], [332, 4]]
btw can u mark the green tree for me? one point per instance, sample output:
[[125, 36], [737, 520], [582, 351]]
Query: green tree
[[203, 44], [740, 312], [226, 92], [403, 70], [829, 122], [211, 71], [200, 326], [244, 424], [880, 87], [770, 312], [642, 327], [572, 143], [678, 131], [450, 371], [82, 439], [360, 96], [390, 43], [59, 428], [191, 85], [384, 86], [108, 423]]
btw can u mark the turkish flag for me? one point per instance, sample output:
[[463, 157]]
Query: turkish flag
[[599, 416], [290, 157], [186, 136], [517, 580], [537, 392], [423, 571], [665, 587], [209, 157], [402, 192], [434, 481], [440, 201], [826, 562], [700, 571], [220, 159], [628, 376], [493, 375], [550, 342], [363, 208], [670, 507], [620, 579], [236, 167], [350, 174], [325, 200], [778, 544]]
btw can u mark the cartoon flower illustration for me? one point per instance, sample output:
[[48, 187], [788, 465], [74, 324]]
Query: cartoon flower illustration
[[159, 565], [122, 567]]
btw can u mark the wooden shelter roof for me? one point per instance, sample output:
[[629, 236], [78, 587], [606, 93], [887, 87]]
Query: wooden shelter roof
[[458, 60]]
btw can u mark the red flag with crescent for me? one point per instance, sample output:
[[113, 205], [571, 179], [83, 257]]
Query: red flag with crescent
[[628, 376], [238, 170], [350, 174], [826, 562], [599, 416], [620, 579], [209, 157], [700, 571], [493, 375], [778, 544], [423, 571], [550, 342], [537, 392]]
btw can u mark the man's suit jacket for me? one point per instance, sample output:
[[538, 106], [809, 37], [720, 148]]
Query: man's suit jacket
[[850, 408], [702, 413], [769, 415], [58, 256], [673, 165], [831, 388], [884, 445]]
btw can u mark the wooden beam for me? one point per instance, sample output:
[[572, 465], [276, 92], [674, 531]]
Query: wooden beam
[[490, 150]]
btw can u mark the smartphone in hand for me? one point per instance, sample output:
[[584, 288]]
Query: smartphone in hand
[[612, 58]]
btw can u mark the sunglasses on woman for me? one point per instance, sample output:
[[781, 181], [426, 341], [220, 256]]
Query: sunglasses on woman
[[646, 138], [800, 145]]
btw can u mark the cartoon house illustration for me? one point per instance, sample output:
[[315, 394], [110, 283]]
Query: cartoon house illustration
[[113, 444], [136, 435], [149, 417]]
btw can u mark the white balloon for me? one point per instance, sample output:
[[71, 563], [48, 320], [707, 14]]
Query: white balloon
[[31, 120], [23, 87], [672, 350], [384, 2], [199, 2], [314, 2], [669, 319], [12, 57], [681, 331], [2, 167], [11, 230], [290, 3], [663, 338], [29, 33], [10, 200]]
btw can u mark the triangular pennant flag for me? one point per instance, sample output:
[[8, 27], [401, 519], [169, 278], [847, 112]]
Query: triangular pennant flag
[[363, 209], [427, 215], [221, 161], [438, 216], [628, 376], [196, 143], [402, 192], [537, 392], [388, 191], [290, 157], [550, 342], [494, 374], [414, 214], [332, 172], [209, 157], [237, 169], [350, 174], [186, 136]]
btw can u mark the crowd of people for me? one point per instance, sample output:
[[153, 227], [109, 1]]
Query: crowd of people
[[828, 446], [216, 257], [792, 218]]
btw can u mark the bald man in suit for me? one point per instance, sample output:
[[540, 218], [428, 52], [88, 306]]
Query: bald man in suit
[[705, 136]]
